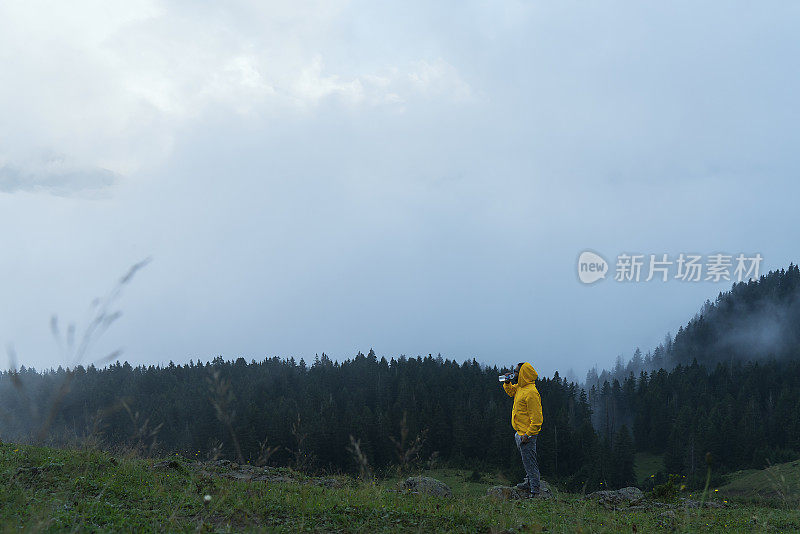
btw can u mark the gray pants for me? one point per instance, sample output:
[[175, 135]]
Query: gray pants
[[528, 453]]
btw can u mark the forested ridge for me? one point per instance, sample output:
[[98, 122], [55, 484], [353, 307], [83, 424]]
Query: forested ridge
[[756, 320], [450, 413], [692, 395], [727, 383]]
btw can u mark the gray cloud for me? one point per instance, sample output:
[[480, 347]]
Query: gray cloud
[[329, 176], [55, 175]]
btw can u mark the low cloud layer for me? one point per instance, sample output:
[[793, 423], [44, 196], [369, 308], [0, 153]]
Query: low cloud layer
[[330, 175], [55, 175]]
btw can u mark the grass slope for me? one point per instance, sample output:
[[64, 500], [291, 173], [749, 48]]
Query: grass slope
[[646, 465], [65, 490], [780, 482]]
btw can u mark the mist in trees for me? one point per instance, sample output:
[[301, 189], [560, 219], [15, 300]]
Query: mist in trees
[[403, 413], [727, 384]]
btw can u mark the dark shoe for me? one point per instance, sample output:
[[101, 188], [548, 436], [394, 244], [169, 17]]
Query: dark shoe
[[523, 485]]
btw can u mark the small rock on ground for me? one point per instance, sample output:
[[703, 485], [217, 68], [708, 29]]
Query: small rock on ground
[[426, 485], [509, 493], [614, 498], [168, 464]]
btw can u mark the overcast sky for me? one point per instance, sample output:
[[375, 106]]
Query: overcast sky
[[416, 177]]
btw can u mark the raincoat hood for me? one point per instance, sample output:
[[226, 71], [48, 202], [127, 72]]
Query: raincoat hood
[[527, 375]]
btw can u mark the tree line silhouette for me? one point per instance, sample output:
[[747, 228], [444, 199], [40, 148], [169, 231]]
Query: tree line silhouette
[[717, 387], [436, 409]]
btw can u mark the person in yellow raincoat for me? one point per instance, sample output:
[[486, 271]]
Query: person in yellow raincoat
[[526, 419]]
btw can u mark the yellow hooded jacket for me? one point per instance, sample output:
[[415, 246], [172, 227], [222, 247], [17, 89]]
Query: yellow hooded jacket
[[526, 415]]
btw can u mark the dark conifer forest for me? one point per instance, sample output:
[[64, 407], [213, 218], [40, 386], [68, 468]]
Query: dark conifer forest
[[728, 384]]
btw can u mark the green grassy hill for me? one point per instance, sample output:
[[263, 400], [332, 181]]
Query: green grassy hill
[[54, 490], [780, 483]]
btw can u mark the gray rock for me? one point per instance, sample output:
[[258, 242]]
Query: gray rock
[[615, 498], [509, 493], [426, 485], [647, 505], [168, 464], [272, 478], [544, 490], [237, 475]]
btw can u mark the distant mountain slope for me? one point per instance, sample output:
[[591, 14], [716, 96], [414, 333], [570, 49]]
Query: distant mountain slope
[[754, 321], [726, 387]]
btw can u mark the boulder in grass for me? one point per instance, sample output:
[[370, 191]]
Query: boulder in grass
[[237, 475], [504, 493], [616, 498], [427, 486], [168, 464], [544, 490], [509, 493]]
